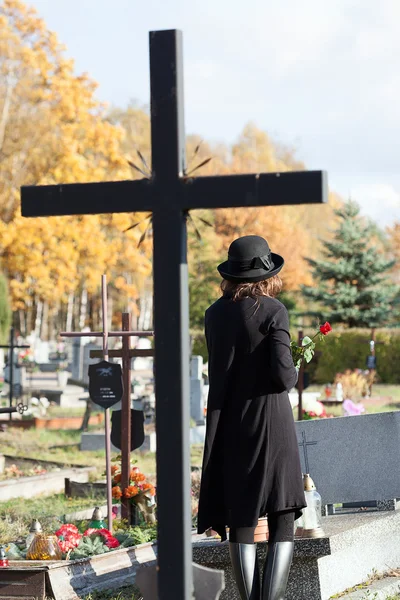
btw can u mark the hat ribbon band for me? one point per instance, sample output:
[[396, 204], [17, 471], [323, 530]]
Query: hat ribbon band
[[258, 262]]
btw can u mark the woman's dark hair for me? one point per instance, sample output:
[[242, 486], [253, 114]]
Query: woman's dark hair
[[269, 287]]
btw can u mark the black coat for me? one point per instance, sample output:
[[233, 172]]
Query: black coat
[[251, 462]]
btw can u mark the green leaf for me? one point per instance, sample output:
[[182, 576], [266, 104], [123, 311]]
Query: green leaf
[[306, 340], [308, 354]]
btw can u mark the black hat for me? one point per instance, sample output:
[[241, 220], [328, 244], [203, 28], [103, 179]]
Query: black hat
[[250, 260]]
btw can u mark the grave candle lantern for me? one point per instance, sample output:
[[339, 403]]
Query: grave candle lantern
[[34, 529], [3, 559], [44, 547], [311, 521], [97, 521]]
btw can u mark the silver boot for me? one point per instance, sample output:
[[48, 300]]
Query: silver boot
[[276, 570], [245, 570]]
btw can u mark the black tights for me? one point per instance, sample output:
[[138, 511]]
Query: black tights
[[280, 526]]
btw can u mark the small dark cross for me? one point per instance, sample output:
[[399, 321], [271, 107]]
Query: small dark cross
[[169, 195], [11, 347], [304, 445]]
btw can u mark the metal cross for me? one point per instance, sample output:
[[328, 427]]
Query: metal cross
[[11, 347], [169, 195], [304, 445], [126, 354]]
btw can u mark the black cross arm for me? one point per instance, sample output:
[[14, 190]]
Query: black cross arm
[[264, 189], [224, 191], [8, 346], [87, 198]]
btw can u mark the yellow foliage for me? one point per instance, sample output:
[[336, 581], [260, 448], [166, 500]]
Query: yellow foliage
[[53, 130]]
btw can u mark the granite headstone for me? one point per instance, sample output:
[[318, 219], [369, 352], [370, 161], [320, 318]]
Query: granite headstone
[[352, 459]]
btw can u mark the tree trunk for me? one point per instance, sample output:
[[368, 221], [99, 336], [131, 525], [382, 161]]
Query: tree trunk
[[22, 323], [38, 320], [83, 309], [87, 415], [29, 315], [70, 312], [44, 334]]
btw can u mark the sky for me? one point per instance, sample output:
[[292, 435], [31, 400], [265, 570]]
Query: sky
[[321, 76]]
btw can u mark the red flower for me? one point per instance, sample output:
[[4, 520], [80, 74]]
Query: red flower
[[325, 328], [68, 537], [90, 531], [67, 529], [108, 538]]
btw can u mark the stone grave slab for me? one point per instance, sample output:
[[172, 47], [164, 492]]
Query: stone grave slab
[[353, 459], [207, 583], [354, 545], [52, 482]]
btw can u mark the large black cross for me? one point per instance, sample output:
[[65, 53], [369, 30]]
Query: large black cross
[[169, 195]]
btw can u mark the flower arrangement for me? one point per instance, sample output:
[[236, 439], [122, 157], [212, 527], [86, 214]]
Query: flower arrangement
[[14, 471], [355, 383], [26, 356], [93, 541], [139, 491], [68, 537], [307, 348], [308, 415], [109, 540]]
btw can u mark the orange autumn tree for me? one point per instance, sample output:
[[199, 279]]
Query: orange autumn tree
[[285, 227], [53, 130]]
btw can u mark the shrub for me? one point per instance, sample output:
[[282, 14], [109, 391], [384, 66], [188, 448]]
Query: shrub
[[348, 349]]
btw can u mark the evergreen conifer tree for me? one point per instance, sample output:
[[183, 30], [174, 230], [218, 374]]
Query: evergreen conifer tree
[[351, 285]]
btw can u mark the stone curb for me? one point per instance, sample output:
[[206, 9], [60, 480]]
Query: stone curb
[[378, 590]]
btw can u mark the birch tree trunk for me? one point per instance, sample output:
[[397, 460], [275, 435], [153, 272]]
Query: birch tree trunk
[[70, 312], [83, 309], [38, 320]]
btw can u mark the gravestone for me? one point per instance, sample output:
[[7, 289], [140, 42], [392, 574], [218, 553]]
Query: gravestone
[[353, 459], [41, 351], [196, 390], [143, 363], [17, 373], [88, 361], [77, 358]]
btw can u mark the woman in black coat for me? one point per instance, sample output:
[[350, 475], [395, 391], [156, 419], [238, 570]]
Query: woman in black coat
[[251, 465]]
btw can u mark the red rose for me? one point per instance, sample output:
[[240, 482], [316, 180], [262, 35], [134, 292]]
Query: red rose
[[325, 328]]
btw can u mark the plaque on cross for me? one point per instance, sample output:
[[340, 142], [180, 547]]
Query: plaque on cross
[[168, 194]]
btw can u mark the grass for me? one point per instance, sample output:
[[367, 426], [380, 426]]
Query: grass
[[383, 390], [387, 398], [63, 446], [16, 515], [64, 411], [128, 593], [374, 576]]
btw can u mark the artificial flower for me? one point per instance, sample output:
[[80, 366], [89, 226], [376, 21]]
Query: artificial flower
[[116, 492]]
